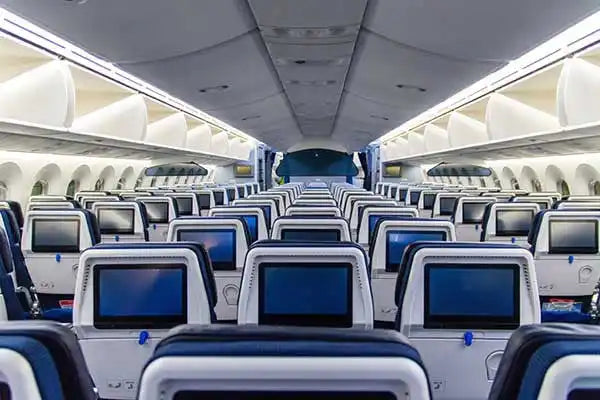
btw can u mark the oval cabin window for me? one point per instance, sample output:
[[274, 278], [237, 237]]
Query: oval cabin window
[[563, 187]]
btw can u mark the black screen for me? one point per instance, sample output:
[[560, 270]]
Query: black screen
[[311, 235], [287, 395], [402, 195], [513, 222], [472, 296], [219, 197], [428, 199], [397, 241], [158, 299], [240, 192], [204, 201], [184, 205], [414, 197], [158, 212], [447, 205], [114, 221], [573, 237], [584, 394], [52, 235], [305, 294], [473, 212], [393, 192], [231, 194], [220, 244]]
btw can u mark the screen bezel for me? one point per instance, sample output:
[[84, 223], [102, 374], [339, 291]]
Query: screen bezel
[[291, 394], [285, 231], [472, 322], [216, 265], [572, 250], [139, 322], [313, 320], [473, 221], [514, 232], [406, 232], [117, 231], [55, 249]]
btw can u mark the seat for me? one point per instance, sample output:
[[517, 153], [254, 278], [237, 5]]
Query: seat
[[52, 242], [206, 200], [49, 205], [576, 205], [564, 244], [371, 214], [444, 205], [227, 240], [231, 193], [42, 360], [283, 193], [311, 228], [425, 204], [550, 361], [306, 284], [412, 197], [160, 210], [348, 205], [508, 222], [128, 295], [220, 196], [122, 221], [468, 217], [268, 205], [265, 362], [278, 198], [357, 210], [87, 201], [254, 216], [461, 302], [392, 234], [302, 201], [15, 207], [316, 210], [544, 202], [401, 194], [187, 203]]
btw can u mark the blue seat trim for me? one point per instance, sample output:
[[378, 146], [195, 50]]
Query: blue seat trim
[[15, 207], [14, 308], [532, 349], [145, 223], [203, 260], [62, 344], [245, 226], [14, 235], [41, 362], [487, 213]]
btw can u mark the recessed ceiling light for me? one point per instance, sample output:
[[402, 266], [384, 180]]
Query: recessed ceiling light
[[297, 82], [381, 117], [300, 62], [251, 117], [411, 87]]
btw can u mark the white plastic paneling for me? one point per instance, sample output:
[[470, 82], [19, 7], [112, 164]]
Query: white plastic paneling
[[220, 143], [463, 130], [200, 138], [435, 138], [170, 131], [578, 93], [416, 143]]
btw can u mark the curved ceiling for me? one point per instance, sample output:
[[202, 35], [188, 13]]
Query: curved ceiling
[[288, 70]]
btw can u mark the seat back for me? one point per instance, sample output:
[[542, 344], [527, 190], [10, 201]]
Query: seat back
[[128, 295], [227, 240], [160, 210], [49, 205], [123, 221], [346, 207], [306, 284], [508, 222], [259, 362], [461, 302], [550, 361], [576, 205], [594, 199], [275, 197], [16, 209], [444, 205], [220, 196], [42, 360], [357, 211], [468, 217], [187, 203], [87, 201], [231, 193], [392, 236], [311, 228], [425, 204], [343, 195], [565, 247], [413, 195], [401, 194], [316, 210], [206, 200], [93, 193], [11, 308], [254, 217], [268, 205], [46, 198], [52, 242], [131, 196], [371, 214], [303, 201], [285, 194], [544, 202]]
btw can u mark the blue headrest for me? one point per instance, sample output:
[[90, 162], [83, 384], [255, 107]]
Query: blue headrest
[[54, 353], [486, 220], [11, 225], [6, 260], [269, 341], [532, 349], [145, 223], [14, 309], [413, 248], [242, 220], [391, 218], [293, 243], [203, 260], [15, 207]]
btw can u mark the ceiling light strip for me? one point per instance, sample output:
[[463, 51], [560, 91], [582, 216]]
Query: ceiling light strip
[[571, 41], [27, 32]]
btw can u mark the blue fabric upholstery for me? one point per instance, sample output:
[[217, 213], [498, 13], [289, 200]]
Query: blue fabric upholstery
[[486, 220], [71, 380], [17, 211], [532, 349], [203, 260], [246, 230], [291, 243], [145, 223], [14, 308], [14, 236]]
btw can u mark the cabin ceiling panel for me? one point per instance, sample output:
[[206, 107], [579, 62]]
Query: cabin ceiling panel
[[131, 31], [475, 29]]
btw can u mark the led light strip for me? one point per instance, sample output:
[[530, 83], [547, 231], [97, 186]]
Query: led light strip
[[572, 40], [42, 39]]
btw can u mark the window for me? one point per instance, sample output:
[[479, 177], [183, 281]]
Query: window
[[99, 186], [121, 184], [39, 188], [482, 182], [469, 180], [72, 188], [536, 185], [514, 183], [595, 187], [497, 182], [177, 180], [153, 182], [563, 187], [3, 191]]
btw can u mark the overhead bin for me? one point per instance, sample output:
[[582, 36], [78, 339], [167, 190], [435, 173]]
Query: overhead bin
[[170, 130], [200, 138], [579, 90], [464, 130], [435, 138], [220, 143], [416, 143]]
